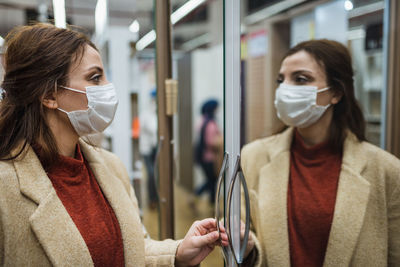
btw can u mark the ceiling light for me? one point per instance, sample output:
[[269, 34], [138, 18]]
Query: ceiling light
[[59, 13], [101, 17], [348, 5], [134, 27], [366, 9], [179, 14], [197, 42], [188, 7], [271, 10], [146, 40]]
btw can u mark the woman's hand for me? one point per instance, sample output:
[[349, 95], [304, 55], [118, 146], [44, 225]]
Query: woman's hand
[[199, 241]]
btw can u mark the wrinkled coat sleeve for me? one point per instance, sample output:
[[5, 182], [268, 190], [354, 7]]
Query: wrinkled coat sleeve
[[157, 253]]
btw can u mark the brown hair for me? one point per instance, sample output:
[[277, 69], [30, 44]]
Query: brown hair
[[335, 59], [37, 59]]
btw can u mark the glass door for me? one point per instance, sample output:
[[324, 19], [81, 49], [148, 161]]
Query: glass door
[[230, 175], [195, 51]]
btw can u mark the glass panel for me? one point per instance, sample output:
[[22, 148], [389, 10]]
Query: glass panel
[[197, 60], [198, 67], [144, 77], [272, 29]]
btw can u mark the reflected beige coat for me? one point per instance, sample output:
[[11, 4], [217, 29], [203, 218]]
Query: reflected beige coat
[[366, 224], [36, 229]]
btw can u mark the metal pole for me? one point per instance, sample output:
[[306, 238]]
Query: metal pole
[[165, 161], [232, 109]]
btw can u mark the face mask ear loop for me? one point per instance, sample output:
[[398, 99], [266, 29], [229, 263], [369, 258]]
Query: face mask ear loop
[[72, 89], [323, 89], [60, 109], [56, 90]]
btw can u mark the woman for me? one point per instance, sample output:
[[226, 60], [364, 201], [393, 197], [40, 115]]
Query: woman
[[208, 148], [64, 202], [320, 194]]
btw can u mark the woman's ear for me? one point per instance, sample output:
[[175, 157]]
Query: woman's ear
[[50, 101], [337, 95]]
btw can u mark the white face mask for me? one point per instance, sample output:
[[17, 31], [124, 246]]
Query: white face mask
[[297, 105], [102, 104]]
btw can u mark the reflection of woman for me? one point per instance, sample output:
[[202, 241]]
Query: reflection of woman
[[62, 201], [207, 151], [320, 194]]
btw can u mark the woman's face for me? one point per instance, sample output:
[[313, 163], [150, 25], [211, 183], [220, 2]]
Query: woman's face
[[302, 69], [88, 71]]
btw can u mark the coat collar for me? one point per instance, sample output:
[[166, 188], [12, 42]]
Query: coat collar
[[122, 200], [351, 202], [53, 226], [273, 202], [51, 223]]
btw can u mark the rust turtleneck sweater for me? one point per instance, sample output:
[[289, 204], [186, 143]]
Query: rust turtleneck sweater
[[314, 176], [83, 199]]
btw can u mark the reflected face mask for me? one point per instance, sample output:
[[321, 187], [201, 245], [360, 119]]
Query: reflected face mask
[[297, 105], [102, 105]]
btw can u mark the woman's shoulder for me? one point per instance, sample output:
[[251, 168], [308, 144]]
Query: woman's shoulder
[[268, 146], [260, 152], [10, 184], [259, 145], [382, 169], [7, 170], [381, 158], [377, 166]]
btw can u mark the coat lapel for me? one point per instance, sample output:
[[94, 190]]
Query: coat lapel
[[124, 209], [273, 186], [351, 203], [273, 209], [51, 223]]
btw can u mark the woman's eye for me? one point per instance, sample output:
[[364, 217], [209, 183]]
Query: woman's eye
[[302, 79], [96, 78], [279, 80]]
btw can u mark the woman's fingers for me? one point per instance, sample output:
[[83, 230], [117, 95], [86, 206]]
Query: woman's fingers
[[207, 239], [224, 239]]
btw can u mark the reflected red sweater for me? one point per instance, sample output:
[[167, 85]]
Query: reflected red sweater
[[82, 197], [314, 176]]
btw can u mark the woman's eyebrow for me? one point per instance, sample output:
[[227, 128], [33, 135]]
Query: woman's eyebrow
[[99, 69], [301, 71]]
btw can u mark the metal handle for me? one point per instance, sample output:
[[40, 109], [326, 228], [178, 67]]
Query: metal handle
[[238, 173], [221, 179], [171, 96]]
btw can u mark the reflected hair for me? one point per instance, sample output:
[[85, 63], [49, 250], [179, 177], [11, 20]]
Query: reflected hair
[[37, 58], [209, 107], [335, 59]]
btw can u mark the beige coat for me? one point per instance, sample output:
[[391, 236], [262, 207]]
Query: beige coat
[[36, 229], [366, 222]]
